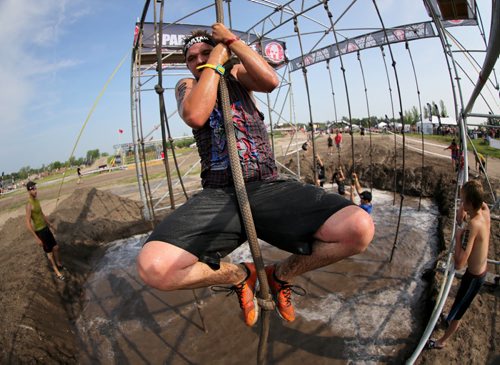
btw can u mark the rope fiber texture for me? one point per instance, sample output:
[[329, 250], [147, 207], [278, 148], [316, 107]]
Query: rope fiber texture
[[244, 204]]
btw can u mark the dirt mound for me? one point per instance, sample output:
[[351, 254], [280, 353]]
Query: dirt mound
[[90, 215], [377, 165], [36, 306]]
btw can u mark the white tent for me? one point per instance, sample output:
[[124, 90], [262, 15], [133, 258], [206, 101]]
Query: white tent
[[444, 120], [427, 127]]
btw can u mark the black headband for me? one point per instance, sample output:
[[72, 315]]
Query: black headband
[[198, 39]]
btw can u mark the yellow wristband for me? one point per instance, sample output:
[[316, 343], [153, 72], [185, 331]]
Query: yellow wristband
[[219, 68]]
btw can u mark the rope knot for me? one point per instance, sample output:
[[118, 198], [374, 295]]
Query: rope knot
[[159, 90], [266, 304]]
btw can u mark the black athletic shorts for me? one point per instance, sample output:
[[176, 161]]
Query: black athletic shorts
[[47, 238], [469, 287], [286, 213]]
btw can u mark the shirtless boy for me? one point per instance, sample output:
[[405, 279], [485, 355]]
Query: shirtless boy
[[471, 250]]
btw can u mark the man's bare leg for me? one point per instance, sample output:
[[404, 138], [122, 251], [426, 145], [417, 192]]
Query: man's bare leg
[[168, 267], [452, 328], [346, 233], [57, 258], [50, 255]]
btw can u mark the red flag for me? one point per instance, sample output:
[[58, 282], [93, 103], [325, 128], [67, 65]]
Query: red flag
[[136, 33], [120, 131]]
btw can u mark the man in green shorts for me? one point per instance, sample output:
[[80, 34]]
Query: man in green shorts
[[38, 225]]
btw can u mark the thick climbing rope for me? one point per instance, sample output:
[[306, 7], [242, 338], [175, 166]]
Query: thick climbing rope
[[293, 119], [481, 166], [144, 169], [135, 114], [402, 131], [311, 123], [139, 147], [271, 123], [369, 119], [483, 35], [422, 183], [264, 297], [472, 83], [394, 188], [165, 128], [334, 104], [333, 90], [472, 60], [342, 68], [158, 29], [89, 115]]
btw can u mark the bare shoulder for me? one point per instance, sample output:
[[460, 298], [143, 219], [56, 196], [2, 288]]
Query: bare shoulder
[[237, 68], [183, 84], [485, 211], [240, 73], [182, 89]]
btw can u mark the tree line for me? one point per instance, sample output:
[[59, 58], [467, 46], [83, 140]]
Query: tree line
[[24, 172], [411, 116]]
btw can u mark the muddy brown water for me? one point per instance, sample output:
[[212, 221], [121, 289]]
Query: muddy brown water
[[362, 310]]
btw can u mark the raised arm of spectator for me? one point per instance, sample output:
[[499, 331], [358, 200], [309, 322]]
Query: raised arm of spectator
[[357, 185]]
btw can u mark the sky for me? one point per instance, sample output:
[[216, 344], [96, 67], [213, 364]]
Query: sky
[[57, 55]]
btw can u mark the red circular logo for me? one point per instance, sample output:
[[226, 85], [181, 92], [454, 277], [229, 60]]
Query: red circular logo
[[275, 52], [351, 47], [400, 34]]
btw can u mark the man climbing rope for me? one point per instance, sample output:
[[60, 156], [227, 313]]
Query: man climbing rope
[[330, 144], [365, 196], [339, 179], [320, 171], [185, 249], [38, 225], [471, 250]]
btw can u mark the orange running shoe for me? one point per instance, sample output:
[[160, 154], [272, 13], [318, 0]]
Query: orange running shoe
[[246, 294], [282, 294]]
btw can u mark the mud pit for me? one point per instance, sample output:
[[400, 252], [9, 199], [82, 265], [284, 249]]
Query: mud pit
[[39, 313]]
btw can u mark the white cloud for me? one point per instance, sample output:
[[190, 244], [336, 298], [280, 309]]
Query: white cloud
[[31, 29]]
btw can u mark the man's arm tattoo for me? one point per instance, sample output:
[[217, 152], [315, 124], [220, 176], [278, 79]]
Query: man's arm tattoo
[[465, 239], [181, 93]]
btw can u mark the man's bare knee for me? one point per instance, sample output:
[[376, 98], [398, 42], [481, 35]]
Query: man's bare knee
[[362, 232], [350, 226], [159, 264]]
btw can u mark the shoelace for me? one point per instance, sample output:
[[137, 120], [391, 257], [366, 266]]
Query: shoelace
[[287, 290], [235, 289]]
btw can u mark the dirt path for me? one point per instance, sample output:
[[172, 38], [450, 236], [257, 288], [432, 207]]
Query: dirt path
[[437, 150]]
